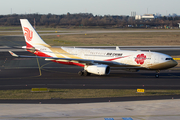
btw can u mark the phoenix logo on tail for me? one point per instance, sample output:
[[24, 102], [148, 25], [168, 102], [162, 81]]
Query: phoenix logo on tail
[[28, 33], [94, 61]]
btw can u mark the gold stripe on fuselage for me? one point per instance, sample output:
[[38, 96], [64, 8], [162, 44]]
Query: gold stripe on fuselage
[[59, 52], [42, 45]]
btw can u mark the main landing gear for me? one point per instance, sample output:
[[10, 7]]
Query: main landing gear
[[157, 73], [84, 73]]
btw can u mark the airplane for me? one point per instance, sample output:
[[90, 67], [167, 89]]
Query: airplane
[[94, 61]]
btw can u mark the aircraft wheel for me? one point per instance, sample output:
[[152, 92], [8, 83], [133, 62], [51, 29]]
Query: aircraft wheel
[[157, 75], [86, 73], [80, 73]]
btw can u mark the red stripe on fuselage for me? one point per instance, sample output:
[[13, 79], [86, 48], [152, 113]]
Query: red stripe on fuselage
[[69, 63], [116, 58], [113, 59], [28, 45], [39, 53]]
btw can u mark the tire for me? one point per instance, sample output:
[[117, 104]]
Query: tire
[[80, 73], [86, 73], [157, 75]]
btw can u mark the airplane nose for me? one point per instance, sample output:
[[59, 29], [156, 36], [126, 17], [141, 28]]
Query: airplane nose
[[173, 63], [169, 64]]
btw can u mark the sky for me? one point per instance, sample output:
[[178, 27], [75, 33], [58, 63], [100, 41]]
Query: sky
[[96, 7]]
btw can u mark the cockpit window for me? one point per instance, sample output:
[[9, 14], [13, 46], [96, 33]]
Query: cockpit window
[[169, 58]]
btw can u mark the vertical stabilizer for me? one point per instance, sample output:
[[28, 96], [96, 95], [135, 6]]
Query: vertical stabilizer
[[32, 38]]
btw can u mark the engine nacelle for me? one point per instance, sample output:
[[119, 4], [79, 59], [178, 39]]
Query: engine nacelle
[[98, 69]]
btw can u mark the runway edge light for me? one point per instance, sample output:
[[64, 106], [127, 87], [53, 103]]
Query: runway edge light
[[140, 91]]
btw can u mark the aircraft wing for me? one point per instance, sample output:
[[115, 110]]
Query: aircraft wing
[[85, 61]]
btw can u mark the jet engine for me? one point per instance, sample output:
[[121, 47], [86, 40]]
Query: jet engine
[[98, 69]]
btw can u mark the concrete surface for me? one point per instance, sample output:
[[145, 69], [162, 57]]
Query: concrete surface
[[137, 110]]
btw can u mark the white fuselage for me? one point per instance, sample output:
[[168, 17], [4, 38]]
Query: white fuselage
[[122, 58]]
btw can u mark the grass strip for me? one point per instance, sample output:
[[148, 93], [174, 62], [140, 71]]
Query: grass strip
[[105, 39], [115, 39], [80, 93]]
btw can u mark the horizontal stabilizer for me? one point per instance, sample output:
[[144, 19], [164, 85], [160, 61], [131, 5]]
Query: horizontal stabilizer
[[13, 54]]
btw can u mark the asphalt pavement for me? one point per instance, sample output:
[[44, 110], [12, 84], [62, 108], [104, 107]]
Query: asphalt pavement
[[24, 73]]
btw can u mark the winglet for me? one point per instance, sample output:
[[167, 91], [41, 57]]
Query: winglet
[[13, 54]]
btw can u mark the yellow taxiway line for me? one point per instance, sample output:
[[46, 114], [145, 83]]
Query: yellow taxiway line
[[176, 58]]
